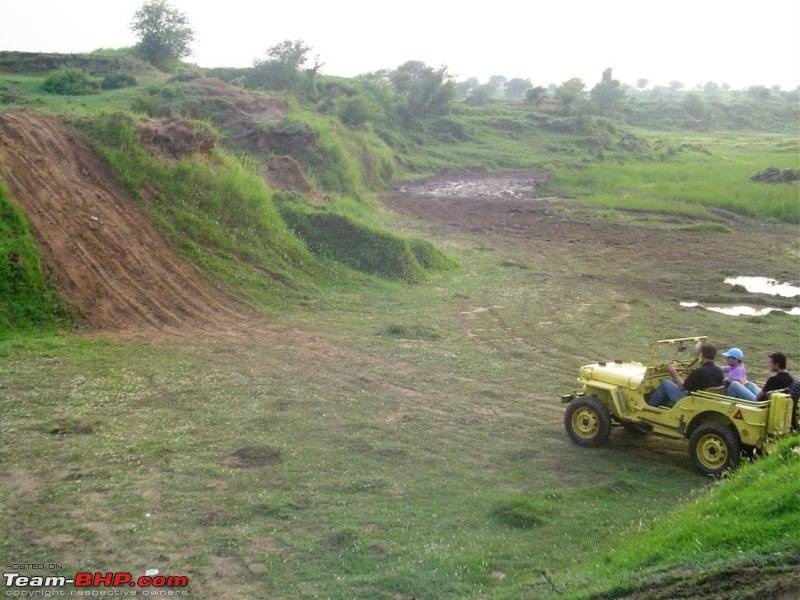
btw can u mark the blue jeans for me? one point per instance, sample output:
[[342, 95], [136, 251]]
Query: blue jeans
[[748, 391], [666, 394]]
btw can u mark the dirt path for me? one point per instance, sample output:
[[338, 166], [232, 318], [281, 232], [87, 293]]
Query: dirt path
[[115, 270]]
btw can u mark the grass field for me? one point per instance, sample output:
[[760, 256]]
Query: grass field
[[405, 441], [708, 172]]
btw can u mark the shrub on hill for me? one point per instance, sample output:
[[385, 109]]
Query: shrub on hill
[[69, 81], [115, 81], [361, 247]]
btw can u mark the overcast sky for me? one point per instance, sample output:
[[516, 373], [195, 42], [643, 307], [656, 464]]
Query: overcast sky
[[741, 43]]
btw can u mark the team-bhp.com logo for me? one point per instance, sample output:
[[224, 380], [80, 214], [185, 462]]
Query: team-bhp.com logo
[[94, 584]]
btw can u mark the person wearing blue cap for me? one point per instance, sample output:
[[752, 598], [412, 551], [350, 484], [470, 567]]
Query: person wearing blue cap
[[781, 380], [735, 382]]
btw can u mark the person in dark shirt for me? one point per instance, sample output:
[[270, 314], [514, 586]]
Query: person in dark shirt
[[780, 381], [707, 375]]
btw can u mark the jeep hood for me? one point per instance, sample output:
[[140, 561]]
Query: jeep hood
[[623, 374]]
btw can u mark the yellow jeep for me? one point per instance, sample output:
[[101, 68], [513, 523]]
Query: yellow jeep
[[719, 428]]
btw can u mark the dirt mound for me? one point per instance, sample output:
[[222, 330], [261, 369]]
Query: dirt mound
[[242, 114], [115, 270], [284, 173], [236, 103], [175, 138], [742, 581]]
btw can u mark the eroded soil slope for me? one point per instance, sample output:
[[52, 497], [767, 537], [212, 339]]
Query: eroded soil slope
[[114, 269]]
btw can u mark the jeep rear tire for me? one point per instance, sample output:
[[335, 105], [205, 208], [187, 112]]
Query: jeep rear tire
[[587, 421], [714, 448]]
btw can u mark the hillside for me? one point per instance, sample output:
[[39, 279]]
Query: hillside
[[92, 197], [115, 270]]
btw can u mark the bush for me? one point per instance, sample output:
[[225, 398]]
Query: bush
[[117, 81], [357, 111], [69, 81], [362, 247], [27, 300]]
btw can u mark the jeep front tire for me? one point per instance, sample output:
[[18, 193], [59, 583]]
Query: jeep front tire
[[587, 421]]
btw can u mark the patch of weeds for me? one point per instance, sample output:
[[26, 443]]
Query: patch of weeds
[[620, 487], [341, 540], [412, 332], [363, 486], [518, 511], [70, 426], [281, 509], [253, 457], [512, 263], [713, 227]]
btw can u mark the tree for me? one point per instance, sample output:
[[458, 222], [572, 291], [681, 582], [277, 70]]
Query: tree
[[569, 92], [283, 69], [641, 83], [463, 88], [292, 53], [481, 95], [694, 105], [164, 33], [516, 87], [607, 95], [424, 91], [535, 95], [498, 82], [758, 92]]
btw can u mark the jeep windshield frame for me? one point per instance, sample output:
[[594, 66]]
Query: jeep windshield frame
[[681, 351]]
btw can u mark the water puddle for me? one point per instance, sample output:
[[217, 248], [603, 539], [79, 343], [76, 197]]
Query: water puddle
[[754, 285], [485, 186], [765, 285], [742, 310]]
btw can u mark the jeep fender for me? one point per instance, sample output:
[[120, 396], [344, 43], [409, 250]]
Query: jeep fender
[[609, 394], [707, 417]]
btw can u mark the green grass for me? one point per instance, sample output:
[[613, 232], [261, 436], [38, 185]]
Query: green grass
[[29, 300], [20, 90], [745, 520], [692, 182], [405, 440]]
